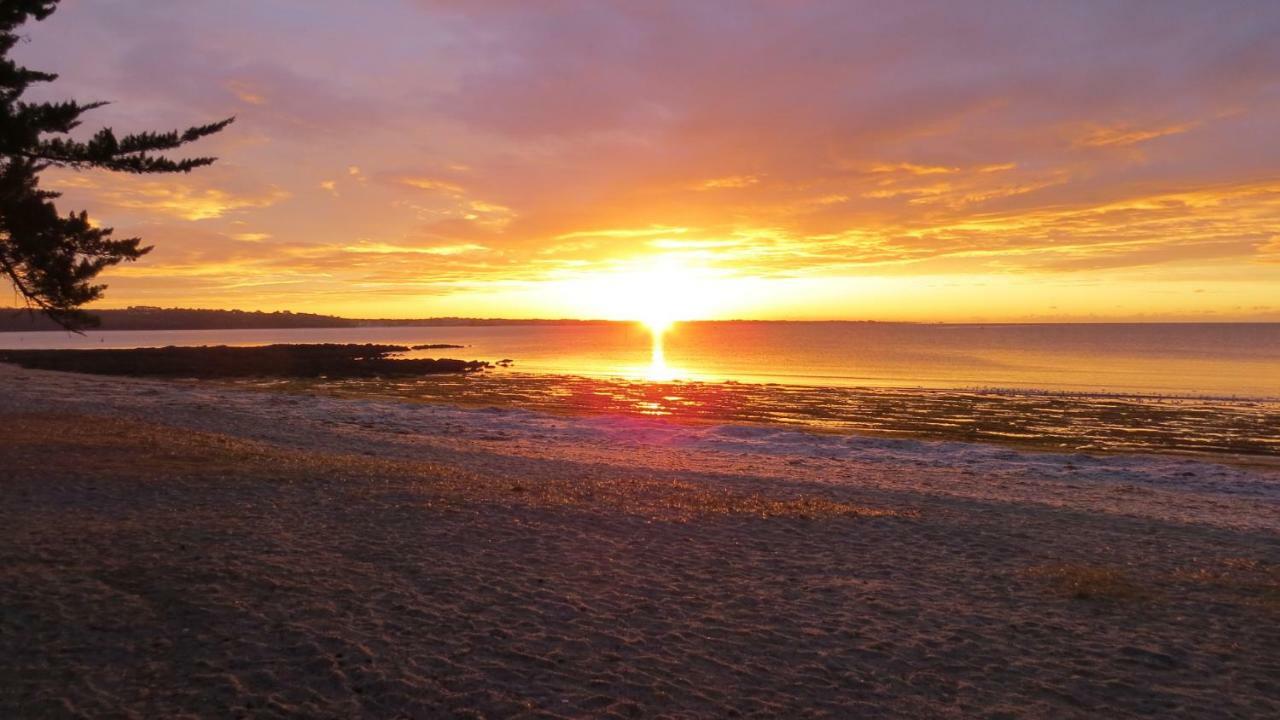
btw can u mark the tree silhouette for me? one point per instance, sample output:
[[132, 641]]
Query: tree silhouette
[[52, 259]]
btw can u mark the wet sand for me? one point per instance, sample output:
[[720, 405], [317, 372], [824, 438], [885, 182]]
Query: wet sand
[[177, 549], [1063, 422]]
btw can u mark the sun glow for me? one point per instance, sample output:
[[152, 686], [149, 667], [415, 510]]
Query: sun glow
[[658, 324], [657, 292]]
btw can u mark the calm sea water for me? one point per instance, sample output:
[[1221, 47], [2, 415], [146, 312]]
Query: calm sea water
[[1146, 388], [1229, 360]]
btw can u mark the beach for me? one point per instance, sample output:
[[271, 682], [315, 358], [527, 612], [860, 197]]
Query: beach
[[686, 361], [191, 549]]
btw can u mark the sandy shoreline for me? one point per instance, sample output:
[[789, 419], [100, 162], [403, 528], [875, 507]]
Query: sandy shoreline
[[173, 549]]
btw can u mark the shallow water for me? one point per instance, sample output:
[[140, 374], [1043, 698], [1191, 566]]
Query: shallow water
[[1131, 423]]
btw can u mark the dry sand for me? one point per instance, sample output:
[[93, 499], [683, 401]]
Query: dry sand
[[172, 550]]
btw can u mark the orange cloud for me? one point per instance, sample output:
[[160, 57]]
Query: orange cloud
[[811, 145], [433, 184], [246, 92], [175, 198], [729, 182], [1123, 135], [1270, 251], [913, 169], [388, 249]]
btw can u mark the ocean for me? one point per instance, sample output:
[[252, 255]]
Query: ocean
[[1213, 360], [1195, 388]]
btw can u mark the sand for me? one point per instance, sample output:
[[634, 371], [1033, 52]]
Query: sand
[[187, 550]]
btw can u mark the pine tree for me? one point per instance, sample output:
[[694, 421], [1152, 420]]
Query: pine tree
[[52, 259]]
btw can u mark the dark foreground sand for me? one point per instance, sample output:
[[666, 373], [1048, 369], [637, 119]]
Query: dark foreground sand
[[205, 562]]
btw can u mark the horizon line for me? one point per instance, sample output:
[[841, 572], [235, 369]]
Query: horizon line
[[568, 321]]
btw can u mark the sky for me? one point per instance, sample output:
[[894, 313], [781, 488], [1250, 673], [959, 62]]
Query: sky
[[975, 161]]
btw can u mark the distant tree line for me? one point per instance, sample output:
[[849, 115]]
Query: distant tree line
[[156, 318]]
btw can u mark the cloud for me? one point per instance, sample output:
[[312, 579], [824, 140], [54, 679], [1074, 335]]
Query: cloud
[[1270, 250], [728, 183], [246, 92], [624, 232], [913, 169], [1124, 135], [388, 249], [511, 142], [434, 185], [171, 198]]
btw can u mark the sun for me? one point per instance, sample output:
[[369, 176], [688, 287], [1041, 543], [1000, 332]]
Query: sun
[[659, 323], [657, 292]]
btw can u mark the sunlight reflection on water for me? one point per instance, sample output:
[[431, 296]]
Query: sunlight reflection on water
[[658, 370], [1220, 360]]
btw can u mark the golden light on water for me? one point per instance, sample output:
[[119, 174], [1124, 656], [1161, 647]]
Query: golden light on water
[[658, 370]]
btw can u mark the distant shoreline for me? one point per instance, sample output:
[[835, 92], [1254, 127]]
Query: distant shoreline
[[155, 318], [150, 318]]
